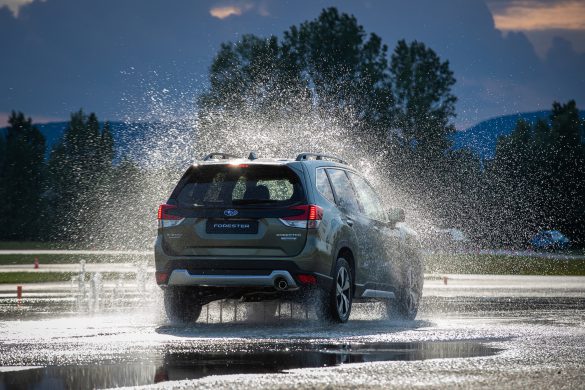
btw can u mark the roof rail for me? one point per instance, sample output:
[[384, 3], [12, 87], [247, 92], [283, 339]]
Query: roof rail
[[319, 156], [219, 156]]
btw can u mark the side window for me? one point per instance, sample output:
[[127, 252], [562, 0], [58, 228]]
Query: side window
[[367, 197], [323, 185], [343, 190]]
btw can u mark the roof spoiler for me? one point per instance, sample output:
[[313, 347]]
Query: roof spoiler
[[226, 156], [319, 156]]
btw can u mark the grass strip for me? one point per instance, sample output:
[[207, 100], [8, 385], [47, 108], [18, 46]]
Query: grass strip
[[34, 277], [46, 277], [19, 259], [17, 245], [502, 265], [434, 264]]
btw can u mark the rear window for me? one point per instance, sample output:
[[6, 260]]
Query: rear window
[[227, 185]]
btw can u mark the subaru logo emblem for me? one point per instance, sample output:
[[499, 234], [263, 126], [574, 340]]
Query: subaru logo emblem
[[230, 213]]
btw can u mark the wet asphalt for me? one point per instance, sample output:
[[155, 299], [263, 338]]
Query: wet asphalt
[[472, 332]]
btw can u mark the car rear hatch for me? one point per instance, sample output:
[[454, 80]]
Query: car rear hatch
[[236, 210]]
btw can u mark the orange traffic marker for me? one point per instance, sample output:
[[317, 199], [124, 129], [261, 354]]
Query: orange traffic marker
[[19, 292], [36, 263], [445, 280]]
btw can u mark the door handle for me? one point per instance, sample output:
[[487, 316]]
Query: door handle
[[349, 221]]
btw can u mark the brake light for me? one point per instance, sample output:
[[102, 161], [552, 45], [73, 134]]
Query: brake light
[[165, 219], [310, 217], [315, 213], [161, 277]]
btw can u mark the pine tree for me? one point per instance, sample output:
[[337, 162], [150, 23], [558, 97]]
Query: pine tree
[[79, 171], [328, 65], [421, 127], [424, 103], [346, 69], [21, 179], [567, 169], [537, 178]]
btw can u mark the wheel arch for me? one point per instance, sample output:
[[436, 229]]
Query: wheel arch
[[347, 254]]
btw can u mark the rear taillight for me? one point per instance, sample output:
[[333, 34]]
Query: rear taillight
[[167, 219], [309, 217]]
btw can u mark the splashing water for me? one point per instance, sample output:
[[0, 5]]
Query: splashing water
[[179, 135]]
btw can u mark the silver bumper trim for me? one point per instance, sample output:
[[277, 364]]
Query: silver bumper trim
[[182, 277]]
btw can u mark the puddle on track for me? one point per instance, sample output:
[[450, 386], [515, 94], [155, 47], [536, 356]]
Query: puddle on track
[[267, 358]]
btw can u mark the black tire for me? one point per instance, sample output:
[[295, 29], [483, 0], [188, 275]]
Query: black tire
[[338, 300], [408, 296], [181, 305]]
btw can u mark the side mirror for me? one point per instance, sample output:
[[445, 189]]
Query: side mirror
[[395, 215]]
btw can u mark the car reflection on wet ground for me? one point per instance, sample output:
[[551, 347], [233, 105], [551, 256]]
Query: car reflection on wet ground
[[259, 358], [468, 331]]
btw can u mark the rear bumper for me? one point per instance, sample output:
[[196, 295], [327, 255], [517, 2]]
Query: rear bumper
[[243, 273], [235, 275], [182, 277], [313, 258]]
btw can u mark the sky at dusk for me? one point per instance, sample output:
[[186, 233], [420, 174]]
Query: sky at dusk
[[113, 56]]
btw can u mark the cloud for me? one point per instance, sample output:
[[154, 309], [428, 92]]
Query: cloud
[[223, 12], [543, 39], [522, 15], [108, 56], [14, 5]]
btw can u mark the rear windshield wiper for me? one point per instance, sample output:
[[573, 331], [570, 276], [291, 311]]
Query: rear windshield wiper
[[189, 205]]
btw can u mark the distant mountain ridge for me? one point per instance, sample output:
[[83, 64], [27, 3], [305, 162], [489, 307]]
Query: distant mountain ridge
[[125, 134], [480, 138]]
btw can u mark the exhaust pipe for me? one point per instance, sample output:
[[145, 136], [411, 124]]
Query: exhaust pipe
[[280, 284]]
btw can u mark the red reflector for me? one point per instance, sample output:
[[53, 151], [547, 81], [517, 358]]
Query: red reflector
[[163, 210], [307, 279], [161, 375], [161, 277]]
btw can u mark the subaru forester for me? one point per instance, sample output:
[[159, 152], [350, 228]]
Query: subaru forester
[[265, 229]]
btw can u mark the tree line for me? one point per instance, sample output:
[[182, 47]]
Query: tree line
[[397, 106], [62, 197], [537, 178]]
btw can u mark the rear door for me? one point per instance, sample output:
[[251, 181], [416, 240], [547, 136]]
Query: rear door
[[381, 239], [347, 202], [236, 210]]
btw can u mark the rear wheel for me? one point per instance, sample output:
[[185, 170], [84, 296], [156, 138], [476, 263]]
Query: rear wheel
[[338, 300], [408, 296], [181, 305]]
